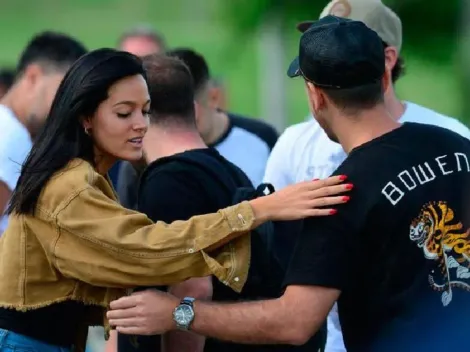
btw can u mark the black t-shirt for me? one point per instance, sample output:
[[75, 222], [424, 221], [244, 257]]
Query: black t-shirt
[[168, 191], [173, 190], [399, 250]]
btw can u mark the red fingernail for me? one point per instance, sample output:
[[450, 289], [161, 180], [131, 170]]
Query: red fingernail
[[349, 186], [343, 177], [333, 211], [345, 198], [316, 179]]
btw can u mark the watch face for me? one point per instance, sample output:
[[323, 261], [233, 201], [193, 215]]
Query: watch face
[[184, 314]]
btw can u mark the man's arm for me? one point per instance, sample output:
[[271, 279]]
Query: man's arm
[[177, 341], [291, 319]]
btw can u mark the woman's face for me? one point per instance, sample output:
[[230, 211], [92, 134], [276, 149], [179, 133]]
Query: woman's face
[[121, 121]]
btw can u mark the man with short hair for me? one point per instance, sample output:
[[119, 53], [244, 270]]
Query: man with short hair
[[24, 108], [395, 256], [305, 152], [246, 142]]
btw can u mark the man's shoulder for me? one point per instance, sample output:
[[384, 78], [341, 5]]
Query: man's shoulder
[[260, 128], [180, 168], [307, 134], [421, 114]]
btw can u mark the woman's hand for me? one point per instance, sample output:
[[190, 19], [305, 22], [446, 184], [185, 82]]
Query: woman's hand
[[302, 200]]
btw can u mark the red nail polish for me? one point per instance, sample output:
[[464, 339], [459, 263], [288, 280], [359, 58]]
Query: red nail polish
[[346, 198], [349, 186], [316, 179], [333, 211], [343, 177]]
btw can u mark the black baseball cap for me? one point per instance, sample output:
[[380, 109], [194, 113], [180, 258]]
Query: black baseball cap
[[340, 53]]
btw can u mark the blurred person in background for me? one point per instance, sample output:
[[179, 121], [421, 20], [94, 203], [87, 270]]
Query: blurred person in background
[[246, 142], [305, 152], [140, 40], [7, 76], [70, 247], [24, 108]]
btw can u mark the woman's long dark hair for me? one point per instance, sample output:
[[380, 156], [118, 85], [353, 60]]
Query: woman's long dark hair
[[63, 138]]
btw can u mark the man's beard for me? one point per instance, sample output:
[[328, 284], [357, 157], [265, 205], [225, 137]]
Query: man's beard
[[326, 127]]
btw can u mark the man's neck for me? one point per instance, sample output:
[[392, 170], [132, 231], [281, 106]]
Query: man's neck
[[395, 106], [353, 131], [12, 100], [160, 142]]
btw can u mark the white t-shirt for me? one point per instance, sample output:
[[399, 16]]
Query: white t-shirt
[[304, 152], [15, 144]]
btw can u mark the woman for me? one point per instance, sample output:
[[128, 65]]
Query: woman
[[70, 248]]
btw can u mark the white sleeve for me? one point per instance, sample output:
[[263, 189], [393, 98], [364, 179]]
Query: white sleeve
[[278, 168], [463, 130], [14, 148]]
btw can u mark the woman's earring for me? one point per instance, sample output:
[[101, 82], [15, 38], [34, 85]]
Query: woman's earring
[[87, 131]]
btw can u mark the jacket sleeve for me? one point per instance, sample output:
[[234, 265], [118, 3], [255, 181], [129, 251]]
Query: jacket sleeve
[[104, 244]]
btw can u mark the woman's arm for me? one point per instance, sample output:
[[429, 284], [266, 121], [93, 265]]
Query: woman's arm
[[99, 242]]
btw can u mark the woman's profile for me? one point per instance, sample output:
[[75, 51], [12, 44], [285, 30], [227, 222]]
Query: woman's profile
[[71, 248]]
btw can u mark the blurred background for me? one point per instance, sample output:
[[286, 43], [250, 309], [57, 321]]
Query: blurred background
[[249, 43]]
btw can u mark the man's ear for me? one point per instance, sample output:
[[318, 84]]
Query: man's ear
[[213, 97], [391, 58], [316, 96], [32, 73]]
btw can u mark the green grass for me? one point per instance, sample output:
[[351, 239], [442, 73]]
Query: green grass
[[198, 24]]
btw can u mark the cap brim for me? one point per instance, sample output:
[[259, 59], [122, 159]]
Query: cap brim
[[294, 68], [303, 26]]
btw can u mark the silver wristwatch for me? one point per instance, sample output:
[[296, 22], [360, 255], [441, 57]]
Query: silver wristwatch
[[183, 315]]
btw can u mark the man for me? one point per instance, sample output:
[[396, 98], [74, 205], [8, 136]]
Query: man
[[305, 152], [180, 195], [6, 80], [393, 256], [24, 108], [243, 141]]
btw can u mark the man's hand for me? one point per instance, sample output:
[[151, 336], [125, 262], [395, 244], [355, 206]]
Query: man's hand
[[147, 312]]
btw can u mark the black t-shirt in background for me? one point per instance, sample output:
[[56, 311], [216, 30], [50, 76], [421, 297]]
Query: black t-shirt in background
[[399, 250], [168, 191]]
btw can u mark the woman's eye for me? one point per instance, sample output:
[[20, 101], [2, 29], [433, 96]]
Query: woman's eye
[[146, 112], [123, 115]]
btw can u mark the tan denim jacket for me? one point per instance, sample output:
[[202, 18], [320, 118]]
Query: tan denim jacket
[[82, 245]]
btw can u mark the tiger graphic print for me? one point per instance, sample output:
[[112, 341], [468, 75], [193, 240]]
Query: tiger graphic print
[[445, 241]]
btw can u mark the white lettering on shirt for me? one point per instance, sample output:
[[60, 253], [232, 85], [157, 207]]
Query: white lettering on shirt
[[408, 180]]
